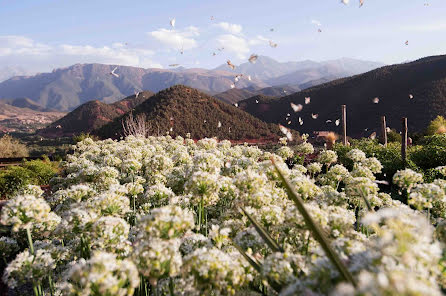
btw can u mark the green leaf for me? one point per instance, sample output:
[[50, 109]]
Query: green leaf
[[256, 265], [264, 234], [316, 230]]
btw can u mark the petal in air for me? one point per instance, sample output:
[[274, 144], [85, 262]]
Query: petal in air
[[272, 44], [286, 132], [296, 108], [253, 58], [172, 22], [230, 64], [307, 100], [314, 116], [376, 100]]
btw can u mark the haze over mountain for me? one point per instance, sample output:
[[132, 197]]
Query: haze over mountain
[[66, 88], [180, 110], [236, 94], [25, 103], [424, 79]]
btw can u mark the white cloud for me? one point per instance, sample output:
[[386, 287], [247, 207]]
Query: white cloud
[[316, 22], [231, 28], [23, 52], [259, 39], [20, 45], [234, 44], [177, 39]]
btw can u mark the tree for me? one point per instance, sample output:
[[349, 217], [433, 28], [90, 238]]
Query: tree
[[135, 126], [10, 147]]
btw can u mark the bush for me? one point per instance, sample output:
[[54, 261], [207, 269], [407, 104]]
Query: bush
[[437, 126], [394, 137], [43, 170], [432, 153], [10, 147], [15, 178]]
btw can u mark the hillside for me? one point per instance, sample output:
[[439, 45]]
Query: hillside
[[16, 119], [235, 95], [425, 79], [92, 115], [180, 110]]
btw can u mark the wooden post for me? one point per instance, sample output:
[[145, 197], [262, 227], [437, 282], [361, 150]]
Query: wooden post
[[344, 124], [404, 140], [384, 130]]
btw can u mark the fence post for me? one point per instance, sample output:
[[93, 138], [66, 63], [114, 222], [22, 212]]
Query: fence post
[[384, 130], [404, 140], [344, 124]]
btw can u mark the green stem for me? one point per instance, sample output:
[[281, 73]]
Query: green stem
[[36, 292], [30, 241], [171, 287]]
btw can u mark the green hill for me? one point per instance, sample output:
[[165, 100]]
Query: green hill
[[180, 110]]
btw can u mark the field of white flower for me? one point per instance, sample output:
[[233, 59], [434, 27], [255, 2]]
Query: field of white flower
[[163, 216]]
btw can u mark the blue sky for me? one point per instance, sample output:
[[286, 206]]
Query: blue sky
[[39, 35]]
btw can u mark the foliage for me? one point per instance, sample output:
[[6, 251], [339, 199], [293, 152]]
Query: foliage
[[394, 137], [432, 153], [10, 148], [83, 136], [437, 126], [13, 179], [36, 172]]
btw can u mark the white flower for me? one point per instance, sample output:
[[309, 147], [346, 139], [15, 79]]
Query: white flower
[[102, 274]]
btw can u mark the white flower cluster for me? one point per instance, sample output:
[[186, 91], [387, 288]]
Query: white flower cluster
[[165, 214]]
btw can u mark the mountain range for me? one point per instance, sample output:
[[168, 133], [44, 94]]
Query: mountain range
[[67, 88], [415, 90]]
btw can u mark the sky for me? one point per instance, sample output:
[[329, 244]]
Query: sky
[[41, 35]]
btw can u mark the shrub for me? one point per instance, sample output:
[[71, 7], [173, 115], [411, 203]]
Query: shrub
[[10, 147], [14, 179], [437, 126], [432, 153], [394, 137], [43, 170], [35, 172]]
